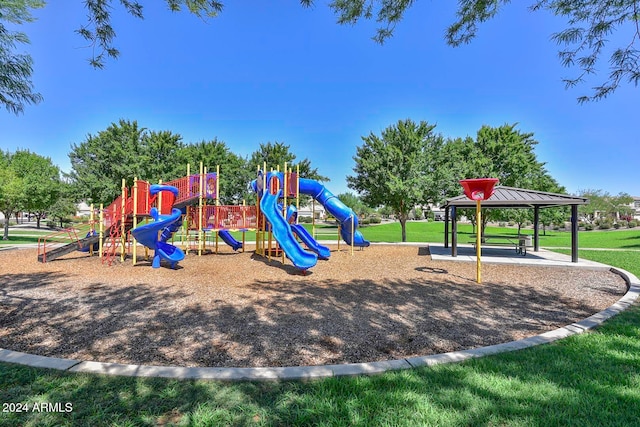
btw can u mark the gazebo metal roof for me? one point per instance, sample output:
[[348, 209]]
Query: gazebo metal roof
[[510, 197]]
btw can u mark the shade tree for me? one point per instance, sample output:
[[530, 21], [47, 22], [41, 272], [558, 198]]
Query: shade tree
[[235, 174], [16, 87], [40, 180], [394, 168]]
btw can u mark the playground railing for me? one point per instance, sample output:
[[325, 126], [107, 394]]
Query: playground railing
[[230, 217]]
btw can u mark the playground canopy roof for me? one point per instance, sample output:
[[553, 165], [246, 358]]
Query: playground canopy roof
[[510, 197]]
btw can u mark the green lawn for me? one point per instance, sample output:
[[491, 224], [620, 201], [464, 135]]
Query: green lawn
[[591, 379], [434, 232]]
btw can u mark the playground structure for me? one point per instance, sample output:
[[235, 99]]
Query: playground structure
[[278, 231], [189, 204]]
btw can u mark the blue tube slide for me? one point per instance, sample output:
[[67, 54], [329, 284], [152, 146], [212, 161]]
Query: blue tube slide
[[335, 207], [284, 235], [229, 240], [165, 225]]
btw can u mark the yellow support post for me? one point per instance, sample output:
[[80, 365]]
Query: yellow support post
[[200, 231], [101, 234], [264, 221], [244, 223], [160, 199], [135, 219], [123, 237], [217, 185], [478, 242], [313, 219], [285, 191], [92, 226], [352, 231]]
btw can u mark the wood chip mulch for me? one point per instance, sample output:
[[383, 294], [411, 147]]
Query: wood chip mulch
[[241, 310]]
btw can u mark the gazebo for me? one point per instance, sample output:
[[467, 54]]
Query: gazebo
[[515, 198]]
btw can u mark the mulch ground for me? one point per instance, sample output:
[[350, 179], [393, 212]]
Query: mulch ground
[[238, 309]]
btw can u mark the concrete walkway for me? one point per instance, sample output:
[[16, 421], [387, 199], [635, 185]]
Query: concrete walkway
[[467, 253], [438, 252]]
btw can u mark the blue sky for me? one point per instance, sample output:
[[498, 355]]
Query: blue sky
[[274, 71]]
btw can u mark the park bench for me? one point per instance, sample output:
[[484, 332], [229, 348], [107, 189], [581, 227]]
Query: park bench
[[519, 243]]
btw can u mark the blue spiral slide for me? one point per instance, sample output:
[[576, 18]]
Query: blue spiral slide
[[155, 234]]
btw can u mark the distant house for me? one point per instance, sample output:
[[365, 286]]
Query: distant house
[[635, 205], [83, 209], [317, 212]]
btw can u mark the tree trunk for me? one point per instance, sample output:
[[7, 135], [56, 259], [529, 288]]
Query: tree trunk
[[5, 236], [403, 226]]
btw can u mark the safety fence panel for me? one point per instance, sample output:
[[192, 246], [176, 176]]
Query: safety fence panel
[[143, 201], [223, 217]]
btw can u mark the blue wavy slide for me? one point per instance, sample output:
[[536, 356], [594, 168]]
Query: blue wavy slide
[[302, 233], [147, 234], [229, 240], [283, 234], [335, 207]]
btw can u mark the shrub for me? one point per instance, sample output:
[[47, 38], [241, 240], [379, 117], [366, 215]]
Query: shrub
[[588, 227], [305, 219], [502, 224], [604, 225], [511, 223], [616, 225], [632, 223], [375, 220], [365, 221]]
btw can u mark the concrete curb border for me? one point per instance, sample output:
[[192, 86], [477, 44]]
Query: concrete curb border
[[325, 371]]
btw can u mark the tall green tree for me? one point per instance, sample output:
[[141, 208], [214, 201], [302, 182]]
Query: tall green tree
[[100, 162], [12, 193], [126, 151], [65, 206], [602, 204], [395, 169], [275, 154], [16, 87], [161, 156], [505, 153], [354, 202], [40, 182], [235, 175]]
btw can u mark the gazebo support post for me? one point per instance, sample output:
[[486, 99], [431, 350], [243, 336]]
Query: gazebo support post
[[446, 227], [574, 233], [454, 232], [536, 232]]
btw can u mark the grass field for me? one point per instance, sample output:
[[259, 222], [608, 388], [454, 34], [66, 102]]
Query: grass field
[[434, 232], [592, 379]]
